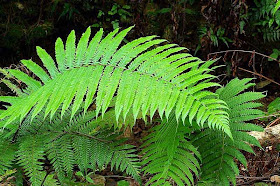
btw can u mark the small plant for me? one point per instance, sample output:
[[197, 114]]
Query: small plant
[[71, 115], [273, 109], [214, 37], [85, 176], [116, 15], [266, 18], [275, 54]]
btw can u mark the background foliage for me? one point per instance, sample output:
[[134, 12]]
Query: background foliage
[[204, 27]]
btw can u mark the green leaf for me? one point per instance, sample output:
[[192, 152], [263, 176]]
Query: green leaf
[[37, 70], [82, 46], [60, 54], [123, 183], [47, 61], [275, 9], [70, 50]]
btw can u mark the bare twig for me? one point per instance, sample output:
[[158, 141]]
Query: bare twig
[[116, 176], [271, 115], [245, 51], [272, 123], [260, 75], [252, 179], [247, 177]]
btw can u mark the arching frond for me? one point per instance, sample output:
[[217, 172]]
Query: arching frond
[[7, 152], [142, 77]]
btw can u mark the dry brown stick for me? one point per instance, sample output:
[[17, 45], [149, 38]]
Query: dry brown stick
[[271, 115], [245, 51], [272, 123], [252, 179], [260, 75], [248, 177]]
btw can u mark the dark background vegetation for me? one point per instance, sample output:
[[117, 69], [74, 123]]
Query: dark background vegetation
[[202, 26], [244, 33]]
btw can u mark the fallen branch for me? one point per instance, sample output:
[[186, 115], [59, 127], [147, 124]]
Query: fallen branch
[[244, 51], [260, 75]]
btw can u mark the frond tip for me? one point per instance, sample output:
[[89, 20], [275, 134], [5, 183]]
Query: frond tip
[[143, 78]]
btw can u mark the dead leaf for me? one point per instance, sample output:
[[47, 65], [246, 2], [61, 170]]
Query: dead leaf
[[275, 178]]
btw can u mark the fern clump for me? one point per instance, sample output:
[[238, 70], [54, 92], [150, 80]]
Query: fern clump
[[71, 115]]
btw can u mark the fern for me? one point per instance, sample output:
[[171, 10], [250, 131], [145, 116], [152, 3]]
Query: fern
[[67, 144], [73, 112], [125, 159], [271, 34], [143, 78], [169, 156], [217, 150], [30, 152], [7, 153]]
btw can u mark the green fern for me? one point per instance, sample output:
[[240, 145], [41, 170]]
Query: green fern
[[125, 159], [68, 114], [271, 34], [217, 150], [169, 156], [143, 78], [7, 153], [30, 152], [67, 144]]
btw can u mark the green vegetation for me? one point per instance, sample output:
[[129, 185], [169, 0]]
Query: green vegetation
[[152, 93], [51, 120]]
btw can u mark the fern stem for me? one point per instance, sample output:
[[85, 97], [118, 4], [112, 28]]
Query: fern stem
[[79, 134], [127, 69], [43, 181], [89, 136]]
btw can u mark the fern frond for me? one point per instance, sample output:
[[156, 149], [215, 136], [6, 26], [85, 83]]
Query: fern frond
[[14, 88], [30, 155], [7, 155], [84, 142], [56, 157], [142, 77], [168, 155], [271, 34], [37, 70], [125, 159], [217, 150]]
